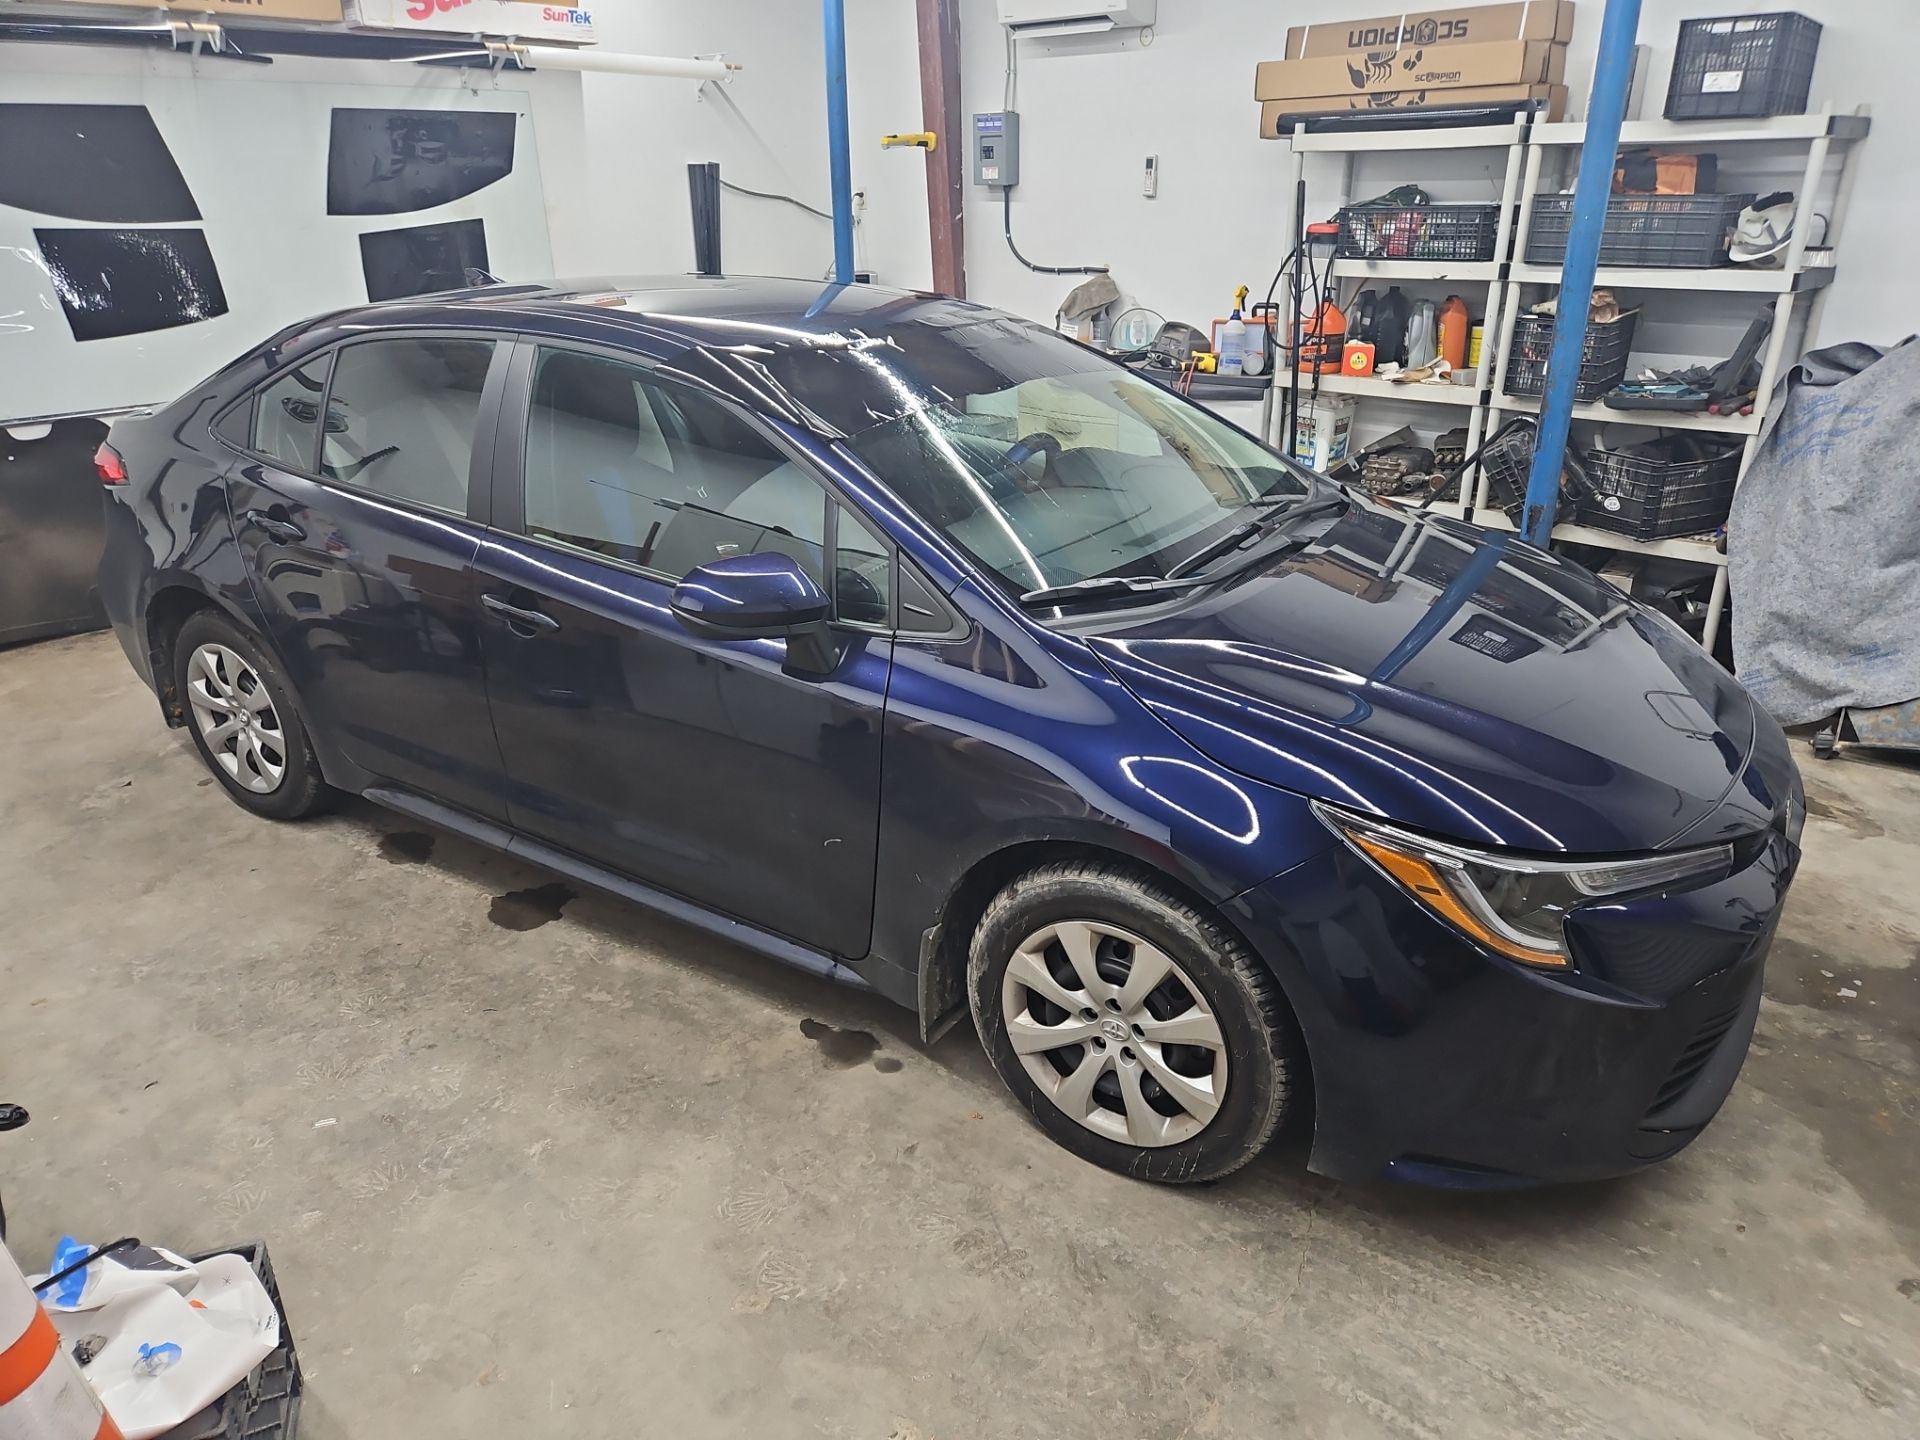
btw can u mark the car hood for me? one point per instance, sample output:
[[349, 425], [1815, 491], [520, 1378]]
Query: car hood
[[1453, 680]]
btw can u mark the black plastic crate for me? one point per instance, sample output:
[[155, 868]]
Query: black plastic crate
[[1418, 232], [265, 1405], [1685, 231], [1743, 66], [1506, 461], [1676, 485], [1603, 356]]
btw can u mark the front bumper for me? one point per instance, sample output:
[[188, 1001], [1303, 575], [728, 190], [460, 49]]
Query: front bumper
[[1439, 1062]]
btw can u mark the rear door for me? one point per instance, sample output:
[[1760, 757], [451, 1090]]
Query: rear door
[[700, 766], [359, 537]]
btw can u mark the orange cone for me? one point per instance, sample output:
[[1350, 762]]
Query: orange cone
[[43, 1395]]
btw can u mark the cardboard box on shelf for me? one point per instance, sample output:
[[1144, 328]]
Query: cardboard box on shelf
[[323, 10], [1460, 25], [1277, 116], [1450, 67]]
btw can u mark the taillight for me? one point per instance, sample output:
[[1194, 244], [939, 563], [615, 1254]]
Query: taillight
[[113, 470]]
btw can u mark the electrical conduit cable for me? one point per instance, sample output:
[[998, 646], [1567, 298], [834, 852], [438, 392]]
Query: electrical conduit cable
[[1006, 206], [772, 195]]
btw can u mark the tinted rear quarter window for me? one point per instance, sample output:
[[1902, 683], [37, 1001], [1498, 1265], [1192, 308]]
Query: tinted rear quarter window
[[286, 416]]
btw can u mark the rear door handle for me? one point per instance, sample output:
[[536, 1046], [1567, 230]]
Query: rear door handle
[[516, 618], [281, 532]]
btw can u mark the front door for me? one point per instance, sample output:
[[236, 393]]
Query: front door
[[360, 546], [699, 766]]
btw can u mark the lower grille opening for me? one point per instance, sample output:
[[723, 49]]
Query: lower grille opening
[[1693, 1059]]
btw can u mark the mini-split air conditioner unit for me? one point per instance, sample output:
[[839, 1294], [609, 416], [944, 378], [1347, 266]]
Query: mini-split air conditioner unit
[[1074, 17]]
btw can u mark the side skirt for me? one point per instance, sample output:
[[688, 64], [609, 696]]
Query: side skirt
[[724, 927]]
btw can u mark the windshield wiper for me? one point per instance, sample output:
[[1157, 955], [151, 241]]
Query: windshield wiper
[[1247, 530], [1181, 576], [1213, 549], [1108, 585]]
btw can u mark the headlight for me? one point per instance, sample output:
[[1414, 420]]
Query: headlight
[[1511, 904]]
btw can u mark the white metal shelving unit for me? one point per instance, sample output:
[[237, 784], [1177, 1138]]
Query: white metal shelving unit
[[1795, 286], [1486, 277], [1544, 154]]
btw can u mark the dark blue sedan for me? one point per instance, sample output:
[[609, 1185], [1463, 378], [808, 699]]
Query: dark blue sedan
[[906, 642]]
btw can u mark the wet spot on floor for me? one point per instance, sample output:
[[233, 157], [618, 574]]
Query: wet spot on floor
[[531, 908], [406, 847], [1864, 826], [844, 1048], [887, 1065]]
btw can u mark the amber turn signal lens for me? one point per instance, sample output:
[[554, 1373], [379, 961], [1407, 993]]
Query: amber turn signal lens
[[1427, 884]]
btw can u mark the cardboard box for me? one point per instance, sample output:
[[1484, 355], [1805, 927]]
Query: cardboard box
[[1449, 67], [326, 11], [1461, 25], [1277, 116]]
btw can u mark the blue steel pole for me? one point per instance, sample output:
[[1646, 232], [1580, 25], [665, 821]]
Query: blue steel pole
[[834, 14], [1606, 107]]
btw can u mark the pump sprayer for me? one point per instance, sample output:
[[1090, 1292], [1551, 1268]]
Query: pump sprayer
[[1233, 337]]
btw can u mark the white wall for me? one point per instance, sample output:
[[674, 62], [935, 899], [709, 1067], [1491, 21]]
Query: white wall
[[251, 141], [642, 134], [1091, 110]]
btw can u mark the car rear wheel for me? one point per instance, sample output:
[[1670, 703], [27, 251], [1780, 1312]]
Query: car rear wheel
[[1136, 1028], [239, 710]]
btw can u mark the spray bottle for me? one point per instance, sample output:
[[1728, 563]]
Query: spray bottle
[[1233, 337]]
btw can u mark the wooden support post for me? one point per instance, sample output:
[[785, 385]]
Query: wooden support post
[[939, 22]]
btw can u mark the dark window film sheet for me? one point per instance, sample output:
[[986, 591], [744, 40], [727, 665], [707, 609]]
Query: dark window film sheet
[[389, 162], [90, 162], [422, 258], [129, 282]]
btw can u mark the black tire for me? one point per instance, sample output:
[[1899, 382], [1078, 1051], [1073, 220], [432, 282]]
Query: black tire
[[1261, 1042], [301, 790]]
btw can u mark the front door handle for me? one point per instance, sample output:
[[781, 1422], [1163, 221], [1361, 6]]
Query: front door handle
[[281, 532], [521, 621]]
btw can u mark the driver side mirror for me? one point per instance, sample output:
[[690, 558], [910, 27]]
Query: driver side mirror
[[765, 596]]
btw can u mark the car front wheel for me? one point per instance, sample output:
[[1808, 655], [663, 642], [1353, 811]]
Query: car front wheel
[[1138, 1030]]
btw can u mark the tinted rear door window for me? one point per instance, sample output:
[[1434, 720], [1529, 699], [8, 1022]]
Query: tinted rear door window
[[401, 418]]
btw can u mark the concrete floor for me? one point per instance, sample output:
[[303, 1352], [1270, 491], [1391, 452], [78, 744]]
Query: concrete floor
[[533, 1163]]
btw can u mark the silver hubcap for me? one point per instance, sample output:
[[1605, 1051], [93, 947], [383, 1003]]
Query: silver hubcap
[[235, 716], [1114, 1033]]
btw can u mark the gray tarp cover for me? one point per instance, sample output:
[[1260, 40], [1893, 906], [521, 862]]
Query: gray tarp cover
[[1824, 539]]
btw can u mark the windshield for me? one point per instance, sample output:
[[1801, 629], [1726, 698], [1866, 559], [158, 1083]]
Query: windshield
[[1089, 473]]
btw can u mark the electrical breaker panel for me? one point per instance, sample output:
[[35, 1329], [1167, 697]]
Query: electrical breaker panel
[[996, 149]]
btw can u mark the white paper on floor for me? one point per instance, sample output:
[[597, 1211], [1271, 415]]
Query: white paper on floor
[[164, 1349]]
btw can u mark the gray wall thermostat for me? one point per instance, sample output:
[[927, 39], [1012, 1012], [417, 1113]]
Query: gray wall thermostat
[[996, 149]]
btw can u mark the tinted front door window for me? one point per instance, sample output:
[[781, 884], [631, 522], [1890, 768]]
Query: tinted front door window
[[657, 476]]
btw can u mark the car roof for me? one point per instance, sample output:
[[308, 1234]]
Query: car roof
[[835, 359], [664, 314]]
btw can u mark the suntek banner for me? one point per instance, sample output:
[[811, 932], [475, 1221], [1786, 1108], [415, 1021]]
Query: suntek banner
[[512, 19]]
